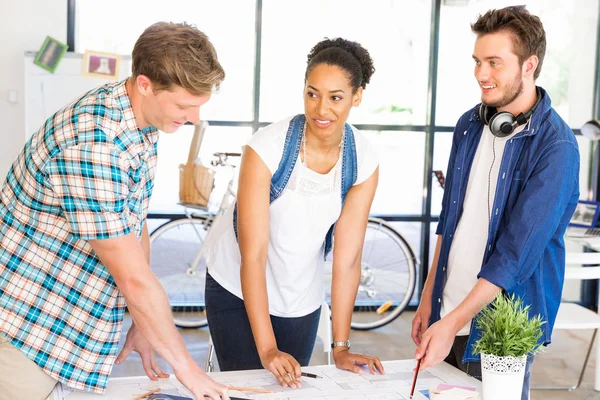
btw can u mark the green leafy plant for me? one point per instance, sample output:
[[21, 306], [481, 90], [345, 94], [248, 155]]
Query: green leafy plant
[[507, 330]]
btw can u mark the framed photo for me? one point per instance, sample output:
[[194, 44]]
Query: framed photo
[[586, 214], [50, 54], [101, 65]]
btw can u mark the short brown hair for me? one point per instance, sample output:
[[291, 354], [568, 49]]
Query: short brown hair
[[527, 31], [177, 54]]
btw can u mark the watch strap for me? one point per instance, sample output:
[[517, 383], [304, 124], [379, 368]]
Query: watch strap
[[340, 344]]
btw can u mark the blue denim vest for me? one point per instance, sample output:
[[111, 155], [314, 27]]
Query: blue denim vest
[[291, 150]]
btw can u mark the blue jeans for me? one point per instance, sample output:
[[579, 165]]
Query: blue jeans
[[232, 335], [474, 368]]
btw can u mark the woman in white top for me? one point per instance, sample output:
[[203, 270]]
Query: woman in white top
[[300, 180]]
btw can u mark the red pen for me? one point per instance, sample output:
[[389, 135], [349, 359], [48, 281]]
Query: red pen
[[412, 389]]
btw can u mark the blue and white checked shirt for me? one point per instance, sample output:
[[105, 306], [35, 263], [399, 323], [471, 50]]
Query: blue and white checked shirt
[[86, 174]]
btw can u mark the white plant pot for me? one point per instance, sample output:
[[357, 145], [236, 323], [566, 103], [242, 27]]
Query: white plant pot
[[502, 377]]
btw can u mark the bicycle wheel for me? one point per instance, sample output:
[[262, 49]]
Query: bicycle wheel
[[174, 247], [388, 277]]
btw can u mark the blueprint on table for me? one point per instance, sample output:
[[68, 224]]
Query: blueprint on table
[[335, 385]]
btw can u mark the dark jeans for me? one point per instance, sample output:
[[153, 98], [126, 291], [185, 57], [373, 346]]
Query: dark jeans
[[474, 368], [232, 335]]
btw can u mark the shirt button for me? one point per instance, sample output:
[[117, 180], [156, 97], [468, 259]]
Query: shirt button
[[439, 300], [454, 201], [444, 269]]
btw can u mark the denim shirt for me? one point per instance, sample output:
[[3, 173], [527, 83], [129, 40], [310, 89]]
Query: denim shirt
[[536, 195], [291, 150]]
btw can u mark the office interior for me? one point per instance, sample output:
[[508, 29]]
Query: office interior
[[423, 83]]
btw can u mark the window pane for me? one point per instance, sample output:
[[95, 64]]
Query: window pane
[[173, 151], [568, 68], [393, 33], [235, 51], [401, 163]]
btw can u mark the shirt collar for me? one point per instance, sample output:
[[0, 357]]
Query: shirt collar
[[149, 133], [531, 126]]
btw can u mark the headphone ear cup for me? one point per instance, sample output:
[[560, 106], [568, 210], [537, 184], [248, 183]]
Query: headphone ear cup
[[481, 113], [485, 113], [502, 124]]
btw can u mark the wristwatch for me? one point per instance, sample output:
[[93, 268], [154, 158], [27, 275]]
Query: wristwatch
[[341, 344]]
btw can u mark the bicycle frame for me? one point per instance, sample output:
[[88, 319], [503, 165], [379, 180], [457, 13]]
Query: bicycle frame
[[384, 291], [212, 218]]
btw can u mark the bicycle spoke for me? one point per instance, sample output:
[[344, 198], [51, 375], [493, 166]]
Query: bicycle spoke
[[388, 277], [174, 251]]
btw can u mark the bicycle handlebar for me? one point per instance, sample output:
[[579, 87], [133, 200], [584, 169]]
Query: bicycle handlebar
[[221, 159], [219, 154]]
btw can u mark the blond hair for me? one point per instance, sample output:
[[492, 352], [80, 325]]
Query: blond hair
[[177, 54]]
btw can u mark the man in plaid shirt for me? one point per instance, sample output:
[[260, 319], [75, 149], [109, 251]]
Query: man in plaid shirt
[[73, 238]]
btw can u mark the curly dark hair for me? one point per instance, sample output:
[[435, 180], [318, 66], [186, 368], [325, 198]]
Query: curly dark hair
[[349, 56], [526, 30]]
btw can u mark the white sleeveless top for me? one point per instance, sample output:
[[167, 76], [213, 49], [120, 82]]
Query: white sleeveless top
[[299, 221]]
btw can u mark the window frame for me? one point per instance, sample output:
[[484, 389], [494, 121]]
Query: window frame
[[429, 129]]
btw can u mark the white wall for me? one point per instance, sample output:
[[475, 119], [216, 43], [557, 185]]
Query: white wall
[[23, 26]]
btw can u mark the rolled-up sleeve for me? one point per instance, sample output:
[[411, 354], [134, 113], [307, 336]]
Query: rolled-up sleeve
[[91, 183], [536, 216]]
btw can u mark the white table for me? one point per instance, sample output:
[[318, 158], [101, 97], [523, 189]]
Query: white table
[[581, 251], [337, 384]]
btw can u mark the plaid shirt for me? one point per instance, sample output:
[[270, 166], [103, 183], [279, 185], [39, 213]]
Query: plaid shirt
[[86, 174]]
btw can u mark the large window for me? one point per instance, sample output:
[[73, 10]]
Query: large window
[[173, 151], [228, 23], [400, 189], [404, 44], [567, 71], [394, 34]]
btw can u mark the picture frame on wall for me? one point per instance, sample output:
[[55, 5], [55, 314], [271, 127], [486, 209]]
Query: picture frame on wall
[[50, 54], [101, 65]]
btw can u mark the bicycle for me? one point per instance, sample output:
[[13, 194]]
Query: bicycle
[[182, 273], [388, 265]]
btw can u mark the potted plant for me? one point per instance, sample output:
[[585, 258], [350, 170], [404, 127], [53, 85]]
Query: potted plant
[[508, 336]]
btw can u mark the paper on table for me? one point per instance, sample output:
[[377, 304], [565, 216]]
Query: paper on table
[[445, 386], [456, 394]]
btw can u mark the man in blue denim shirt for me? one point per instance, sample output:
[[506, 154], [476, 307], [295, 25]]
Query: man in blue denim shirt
[[512, 186]]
